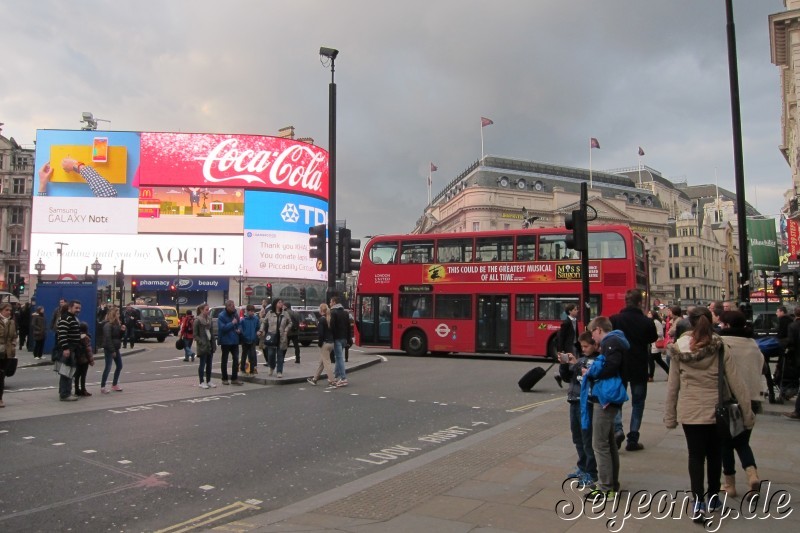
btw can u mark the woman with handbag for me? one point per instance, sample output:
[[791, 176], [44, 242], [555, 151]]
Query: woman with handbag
[[8, 344], [657, 347], [748, 359], [699, 364], [325, 343]]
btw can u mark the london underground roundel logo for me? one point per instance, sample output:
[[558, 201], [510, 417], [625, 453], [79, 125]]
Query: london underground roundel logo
[[290, 213]]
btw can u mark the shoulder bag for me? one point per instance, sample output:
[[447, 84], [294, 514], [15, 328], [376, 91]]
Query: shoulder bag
[[728, 413]]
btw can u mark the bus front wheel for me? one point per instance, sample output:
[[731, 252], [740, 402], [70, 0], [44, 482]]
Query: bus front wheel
[[415, 343]]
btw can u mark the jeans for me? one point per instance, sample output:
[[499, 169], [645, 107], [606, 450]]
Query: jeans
[[233, 350], [64, 386], [129, 336], [704, 451], [248, 354], [605, 447], [111, 355], [275, 356], [582, 439], [638, 397], [740, 443], [187, 349], [338, 351], [294, 339], [205, 367]]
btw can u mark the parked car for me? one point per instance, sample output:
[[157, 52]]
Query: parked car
[[152, 324], [765, 323], [213, 314], [171, 314], [307, 330]]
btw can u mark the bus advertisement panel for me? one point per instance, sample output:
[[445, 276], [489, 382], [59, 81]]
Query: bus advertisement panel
[[500, 292]]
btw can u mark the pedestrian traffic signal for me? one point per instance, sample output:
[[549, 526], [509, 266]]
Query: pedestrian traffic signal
[[349, 252], [576, 221], [108, 293], [134, 288], [173, 290], [777, 287], [21, 283], [317, 248], [15, 289], [303, 293]]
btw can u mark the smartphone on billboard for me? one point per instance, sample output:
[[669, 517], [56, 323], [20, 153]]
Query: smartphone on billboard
[[100, 150]]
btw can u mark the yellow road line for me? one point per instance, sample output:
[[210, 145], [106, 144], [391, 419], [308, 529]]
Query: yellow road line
[[530, 406], [209, 517]]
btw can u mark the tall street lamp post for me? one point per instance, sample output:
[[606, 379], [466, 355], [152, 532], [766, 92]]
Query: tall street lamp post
[[96, 268], [241, 280], [331, 53], [178, 289], [60, 255], [39, 266]]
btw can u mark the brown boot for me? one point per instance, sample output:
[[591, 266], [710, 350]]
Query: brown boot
[[752, 478], [730, 486]]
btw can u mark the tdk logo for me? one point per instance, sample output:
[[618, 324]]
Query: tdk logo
[[312, 216]]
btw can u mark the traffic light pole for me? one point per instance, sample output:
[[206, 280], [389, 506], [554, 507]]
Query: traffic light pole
[[331, 185], [587, 310]]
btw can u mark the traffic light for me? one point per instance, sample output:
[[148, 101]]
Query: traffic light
[[579, 239], [21, 284], [777, 287], [269, 291], [108, 293], [15, 289], [120, 282], [303, 293], [317, 248], [349, 252], [134, 288], [173, 290]]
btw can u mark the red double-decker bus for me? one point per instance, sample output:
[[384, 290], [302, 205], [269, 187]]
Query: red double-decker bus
[[500, 292]]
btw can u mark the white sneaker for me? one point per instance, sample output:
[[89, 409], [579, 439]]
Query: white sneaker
[[280, 375], [270, 372], [312, 381], [204, 385], [105, 390], [212, 385]]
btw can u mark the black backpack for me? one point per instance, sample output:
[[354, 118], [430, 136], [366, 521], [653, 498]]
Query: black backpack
[[295, 322]]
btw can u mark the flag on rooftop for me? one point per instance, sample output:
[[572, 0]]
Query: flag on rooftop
[[486, 122], [641, 152], [434, 168], [594, 143]]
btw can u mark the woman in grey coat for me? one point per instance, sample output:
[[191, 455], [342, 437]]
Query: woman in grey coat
[[204, 342]]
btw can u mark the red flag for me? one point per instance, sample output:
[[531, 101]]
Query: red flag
[[641, 152], [486, 122], [434, 168], [594, 143]]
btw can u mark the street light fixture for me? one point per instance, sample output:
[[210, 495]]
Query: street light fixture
[[331, 54], [60, 253], [39, 266], [96, 268], [241, 280]]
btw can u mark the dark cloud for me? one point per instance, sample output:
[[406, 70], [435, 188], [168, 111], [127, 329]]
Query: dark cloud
[[413, 80]]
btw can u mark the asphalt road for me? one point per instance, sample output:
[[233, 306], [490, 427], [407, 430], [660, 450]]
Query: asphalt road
[[205, 460]]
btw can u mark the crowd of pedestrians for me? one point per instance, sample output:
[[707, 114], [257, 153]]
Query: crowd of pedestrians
[[707, 354]]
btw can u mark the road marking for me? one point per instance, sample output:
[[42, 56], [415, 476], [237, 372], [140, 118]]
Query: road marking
[[124, 462], [32, 389], [161, 474], [207, 518], [28, 438], [523, 408], [58, 443], [169, 360], [206, 487], [89, 451]]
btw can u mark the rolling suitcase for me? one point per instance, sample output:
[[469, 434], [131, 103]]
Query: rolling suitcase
[[531, 378]]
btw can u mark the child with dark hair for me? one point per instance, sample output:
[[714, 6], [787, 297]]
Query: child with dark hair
[[84, 359], [571, 372]]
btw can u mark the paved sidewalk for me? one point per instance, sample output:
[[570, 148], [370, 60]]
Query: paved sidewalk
[[509, 479]]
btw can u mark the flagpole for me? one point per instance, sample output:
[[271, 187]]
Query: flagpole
[[590, 164], [640, 170], [429, 182], [481, 140]]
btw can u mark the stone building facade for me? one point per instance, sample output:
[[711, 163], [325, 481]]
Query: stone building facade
[[16, 186]]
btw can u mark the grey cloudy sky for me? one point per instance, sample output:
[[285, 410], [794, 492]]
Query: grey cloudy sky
[[413, 78]]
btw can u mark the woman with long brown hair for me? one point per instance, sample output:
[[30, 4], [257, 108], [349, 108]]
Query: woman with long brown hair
[[112, 341], [692, 395]]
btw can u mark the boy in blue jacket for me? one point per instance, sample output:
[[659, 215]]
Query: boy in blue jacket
[[602, 387], [249, 326], [571, 372]]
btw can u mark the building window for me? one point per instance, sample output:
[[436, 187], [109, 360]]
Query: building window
[[16, 244], [476, 226], [17, 215], [19, 186]]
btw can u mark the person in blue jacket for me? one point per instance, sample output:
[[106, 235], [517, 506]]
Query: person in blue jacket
[[249, 327], [228, 333], [602, 387]]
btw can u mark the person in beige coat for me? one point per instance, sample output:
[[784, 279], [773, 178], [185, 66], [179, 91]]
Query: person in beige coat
[[8, 343], [692, 395], [275, 326], [748, 360]]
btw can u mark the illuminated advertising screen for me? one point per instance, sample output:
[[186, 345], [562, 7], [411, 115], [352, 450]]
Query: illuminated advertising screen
[[211, 201]]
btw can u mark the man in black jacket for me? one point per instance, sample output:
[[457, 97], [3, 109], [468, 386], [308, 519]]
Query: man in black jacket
[[567, 338], [340, 327], [640, 332]]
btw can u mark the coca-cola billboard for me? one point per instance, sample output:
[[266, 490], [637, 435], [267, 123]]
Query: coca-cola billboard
[[246, 161]]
